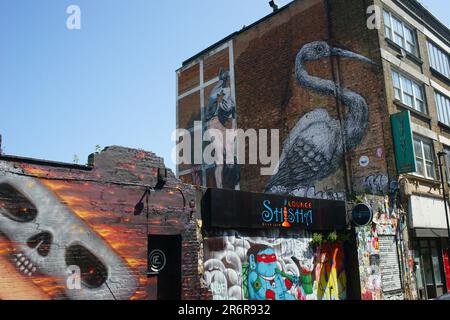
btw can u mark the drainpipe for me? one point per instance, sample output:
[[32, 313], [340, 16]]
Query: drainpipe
[[336, 79]]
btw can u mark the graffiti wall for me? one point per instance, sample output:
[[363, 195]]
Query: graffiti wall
[[69, 232], [300, 72], [238, 267], [386, 264]]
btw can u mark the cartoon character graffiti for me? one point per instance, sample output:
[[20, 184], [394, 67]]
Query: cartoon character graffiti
[[265, 281], [260, 268]]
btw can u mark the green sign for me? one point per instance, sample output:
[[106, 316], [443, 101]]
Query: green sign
[[403, 142]]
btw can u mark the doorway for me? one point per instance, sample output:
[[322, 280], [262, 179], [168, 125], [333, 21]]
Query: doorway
[[164, 264], [429, 268]]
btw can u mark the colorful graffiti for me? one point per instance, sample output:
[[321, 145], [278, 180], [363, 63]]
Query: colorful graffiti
[[380, 249], [267, 268], [71, 234], [316, 145]]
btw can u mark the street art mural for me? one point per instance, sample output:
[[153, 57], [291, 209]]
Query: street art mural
[[316, 145], [266, 268], [381, 272], [220, 114], [71, 234], [48, 238]]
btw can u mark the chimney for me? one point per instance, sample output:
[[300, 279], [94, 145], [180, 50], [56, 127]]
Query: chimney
[[273, 5]]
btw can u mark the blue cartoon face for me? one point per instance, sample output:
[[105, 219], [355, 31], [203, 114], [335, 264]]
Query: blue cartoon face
[[266, 262]]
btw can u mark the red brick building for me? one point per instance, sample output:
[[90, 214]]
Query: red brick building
[[328, 75]]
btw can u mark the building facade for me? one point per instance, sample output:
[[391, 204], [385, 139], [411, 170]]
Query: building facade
[[329, 75], [70, 231]]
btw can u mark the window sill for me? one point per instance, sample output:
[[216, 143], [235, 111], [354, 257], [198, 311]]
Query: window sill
[[444, 126], [419, 114], [409, 55], [440, 76], [423, 179]]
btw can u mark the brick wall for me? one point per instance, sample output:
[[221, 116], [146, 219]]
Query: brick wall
[[91, 207]]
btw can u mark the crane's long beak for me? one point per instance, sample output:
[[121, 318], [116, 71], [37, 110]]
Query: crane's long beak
[[348, 54]]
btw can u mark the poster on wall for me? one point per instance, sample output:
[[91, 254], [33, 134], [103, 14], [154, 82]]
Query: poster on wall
[[389, 264]]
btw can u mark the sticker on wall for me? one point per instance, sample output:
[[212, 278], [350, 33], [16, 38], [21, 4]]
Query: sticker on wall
[[380, 152], [364, 161]]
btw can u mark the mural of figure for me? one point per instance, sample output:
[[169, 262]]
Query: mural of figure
[[220, 109], [265, 282], [316, 145]]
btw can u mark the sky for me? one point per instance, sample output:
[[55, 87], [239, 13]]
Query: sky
[[63, 92]]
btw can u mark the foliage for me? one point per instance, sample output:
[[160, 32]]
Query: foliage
[[332, 237]]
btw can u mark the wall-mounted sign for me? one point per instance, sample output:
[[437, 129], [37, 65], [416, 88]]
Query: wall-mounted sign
[[245, 210], [157, 260], [364, 161], [403, 142], [362, 215]]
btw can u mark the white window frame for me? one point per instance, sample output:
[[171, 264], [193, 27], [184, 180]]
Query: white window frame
[[392, 33], [440, 64], [414, 97], [443, 114], [423, 158]]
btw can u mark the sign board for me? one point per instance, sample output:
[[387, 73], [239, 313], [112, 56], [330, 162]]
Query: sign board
[[389, 264], [245, 210], [362, 215], [403, 142]]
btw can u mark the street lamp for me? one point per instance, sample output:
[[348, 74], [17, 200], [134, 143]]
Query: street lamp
[[440, 155]]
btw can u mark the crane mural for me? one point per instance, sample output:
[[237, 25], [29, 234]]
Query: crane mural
[[316, 145]]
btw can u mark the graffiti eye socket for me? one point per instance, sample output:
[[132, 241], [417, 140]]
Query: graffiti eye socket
[[41, 242], [93, 272], [15, 206]]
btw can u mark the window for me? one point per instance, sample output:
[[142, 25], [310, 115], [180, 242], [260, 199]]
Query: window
[[443, 107], [408, 91], [439, 59], [424, 157], [399, 32]]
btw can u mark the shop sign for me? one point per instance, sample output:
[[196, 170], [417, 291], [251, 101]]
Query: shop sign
[[236, 209]]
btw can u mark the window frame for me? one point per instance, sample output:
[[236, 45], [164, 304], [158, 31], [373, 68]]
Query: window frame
[[405, 26], [442, 113], [413, 95], [440, 63], [423, 157]]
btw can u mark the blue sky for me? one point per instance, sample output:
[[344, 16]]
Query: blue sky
[[112, 82]]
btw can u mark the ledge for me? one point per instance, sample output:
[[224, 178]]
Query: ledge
[[440, 76], [419, 114], [399, 49]]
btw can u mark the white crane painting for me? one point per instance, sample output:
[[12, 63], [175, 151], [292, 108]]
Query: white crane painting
[[316, 145]]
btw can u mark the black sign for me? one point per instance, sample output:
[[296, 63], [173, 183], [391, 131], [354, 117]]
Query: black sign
[[362, 215], [246, 210]]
